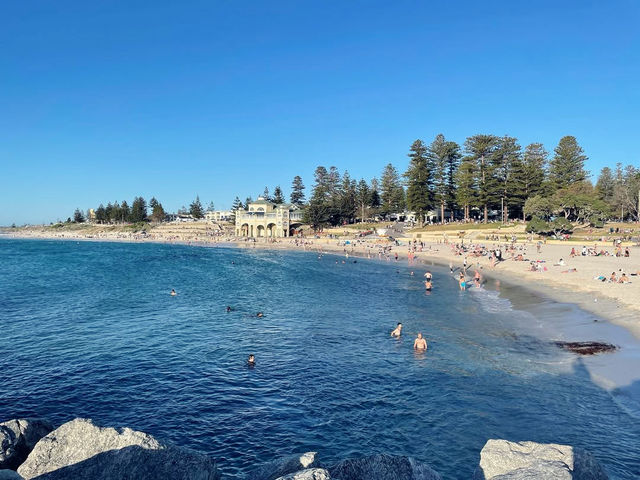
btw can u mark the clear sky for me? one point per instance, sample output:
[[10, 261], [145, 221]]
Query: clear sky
[[106, 100]]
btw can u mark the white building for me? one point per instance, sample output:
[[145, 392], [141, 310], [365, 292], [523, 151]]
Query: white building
[[218, 215], [267, 219]]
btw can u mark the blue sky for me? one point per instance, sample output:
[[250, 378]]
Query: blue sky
[[107, 100]]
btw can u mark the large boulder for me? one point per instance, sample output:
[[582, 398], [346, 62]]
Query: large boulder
[[383, 467], [17, 439], [308, 474], [283, 466], [80, 449], [504, 460]]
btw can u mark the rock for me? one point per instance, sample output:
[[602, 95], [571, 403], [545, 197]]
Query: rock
[[504, 460], [80, 449], [308, 474], [383, 467], [283, 466], [17, 439], [9, 475], [587, 348]]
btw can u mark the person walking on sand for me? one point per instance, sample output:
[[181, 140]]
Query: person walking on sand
[[397, 331], [420, 343]]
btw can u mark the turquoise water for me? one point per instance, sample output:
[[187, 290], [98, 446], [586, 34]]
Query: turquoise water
[[89, 329]]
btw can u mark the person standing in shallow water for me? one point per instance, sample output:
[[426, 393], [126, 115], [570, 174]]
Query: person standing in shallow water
[[420, 344]]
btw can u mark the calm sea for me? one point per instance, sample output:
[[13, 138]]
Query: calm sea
[[90, 330]]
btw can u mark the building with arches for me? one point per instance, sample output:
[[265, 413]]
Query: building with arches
[[264, 219]]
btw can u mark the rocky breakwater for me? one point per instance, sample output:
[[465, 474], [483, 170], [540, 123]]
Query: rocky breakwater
[[80, 449]]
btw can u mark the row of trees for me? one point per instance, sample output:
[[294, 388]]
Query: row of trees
[[139, 211]]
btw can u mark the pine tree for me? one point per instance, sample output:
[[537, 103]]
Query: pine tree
[[347, 199], [265, 195], [375, 200], [419, 182], [467, 191], [211, 207], [507, 175], [138, 210], [605, 186], [391, 191], [125, 212], [247, 201], [444, 158], [363, 197], [567, 165], [235, 207], [278, 197], [78, 216], [195, 209], [101, 214], [108, 212], [534, 165], [480, 148], [297, 191], [157, 211]]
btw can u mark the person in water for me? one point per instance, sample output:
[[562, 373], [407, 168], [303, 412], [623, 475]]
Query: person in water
[[420, 343], [463, 283], [229, 308], [477, 278], [397, 331], [259, 314], [173, 293], [427, 276], [428, 285], [251, 361]]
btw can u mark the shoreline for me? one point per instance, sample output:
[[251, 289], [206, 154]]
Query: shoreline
[[617, 310], [621, 326]]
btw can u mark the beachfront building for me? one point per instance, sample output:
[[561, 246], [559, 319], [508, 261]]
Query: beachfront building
[[218, 215], [265, 219]]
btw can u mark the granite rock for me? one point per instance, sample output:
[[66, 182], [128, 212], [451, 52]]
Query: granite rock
[[80, 449], [504, 460]]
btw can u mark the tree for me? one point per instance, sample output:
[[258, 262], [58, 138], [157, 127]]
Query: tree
[[211, 207], [567, 165], [363, 197], [108, 212], [78, 216], [347, 199], [297, 191], [278, 197], [101, 214], [265, 195], [508, 175], [138, 210], [466, 191], [418, 177], [195, 209], [534, 164], [235, 206], [375, 200], [480, 148], [391, 191], [157, 211], [538, 207], [247, 201], [444, 158], [125, 212]]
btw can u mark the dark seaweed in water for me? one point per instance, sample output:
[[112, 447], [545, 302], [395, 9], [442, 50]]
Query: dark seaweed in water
[[587, 348]]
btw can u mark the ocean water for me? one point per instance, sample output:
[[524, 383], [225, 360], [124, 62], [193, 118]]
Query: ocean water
[[90, 330]]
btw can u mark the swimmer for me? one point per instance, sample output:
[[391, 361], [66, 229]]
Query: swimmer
[[259, 314], [251, 361], [420, 343], [397, 331], [411, 274], [173, 293], [229, 309], [428, 285], [428, 276]]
